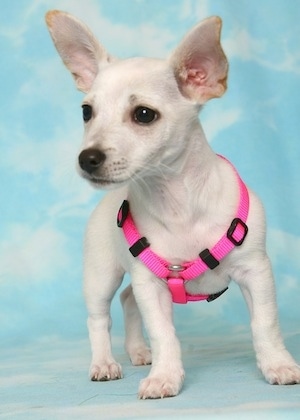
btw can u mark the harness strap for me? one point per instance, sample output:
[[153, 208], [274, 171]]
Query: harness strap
[[176, 276]]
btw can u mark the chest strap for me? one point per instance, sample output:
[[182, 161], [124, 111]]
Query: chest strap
[[177, 275]]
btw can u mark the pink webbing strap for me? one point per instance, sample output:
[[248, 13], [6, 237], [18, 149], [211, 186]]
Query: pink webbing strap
[[177, 275]]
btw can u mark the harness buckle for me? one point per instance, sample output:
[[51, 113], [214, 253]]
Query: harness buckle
[[216, 295], [139, 246], [207, 257], [239, 228], [123, 213]]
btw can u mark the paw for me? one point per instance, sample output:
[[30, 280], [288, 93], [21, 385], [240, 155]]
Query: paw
[[106, 372], [283, 375], [140, 356], [161, 386]]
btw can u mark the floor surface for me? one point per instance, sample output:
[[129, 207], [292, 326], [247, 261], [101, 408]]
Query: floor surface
[[47, 379]]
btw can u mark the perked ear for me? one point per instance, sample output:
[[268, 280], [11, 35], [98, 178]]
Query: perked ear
[[78, 48], [199, 62]]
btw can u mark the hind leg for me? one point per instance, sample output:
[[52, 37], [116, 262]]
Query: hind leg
[[275, 362], [135, 343]]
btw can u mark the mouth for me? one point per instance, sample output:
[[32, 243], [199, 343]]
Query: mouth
[[102, 182]]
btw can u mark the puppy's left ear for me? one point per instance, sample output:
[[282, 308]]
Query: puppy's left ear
[[199, 62]]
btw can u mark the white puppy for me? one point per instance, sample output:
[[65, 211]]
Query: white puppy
[[142, 135]]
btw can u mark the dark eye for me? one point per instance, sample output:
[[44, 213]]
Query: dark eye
[[87, 112], [144, 115]]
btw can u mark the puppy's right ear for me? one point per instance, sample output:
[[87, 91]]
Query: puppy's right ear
[[79, 49]]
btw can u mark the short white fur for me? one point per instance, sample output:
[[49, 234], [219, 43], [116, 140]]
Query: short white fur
[[182, 198]]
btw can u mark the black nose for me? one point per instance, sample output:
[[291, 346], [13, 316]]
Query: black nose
[[91, 159]]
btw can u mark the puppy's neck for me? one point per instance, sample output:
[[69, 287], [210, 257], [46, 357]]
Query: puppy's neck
[[184, 191]]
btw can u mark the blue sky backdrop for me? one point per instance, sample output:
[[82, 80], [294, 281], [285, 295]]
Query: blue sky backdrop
[[44, 205]]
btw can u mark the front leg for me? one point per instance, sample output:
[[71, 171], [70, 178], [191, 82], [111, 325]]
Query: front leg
[[275, 362], [100, 284], [154, 300]]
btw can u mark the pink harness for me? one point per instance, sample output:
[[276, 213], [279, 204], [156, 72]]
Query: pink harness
[[177, 275]]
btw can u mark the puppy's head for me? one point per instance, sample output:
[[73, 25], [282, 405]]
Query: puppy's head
[[138, 113]]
